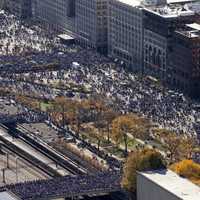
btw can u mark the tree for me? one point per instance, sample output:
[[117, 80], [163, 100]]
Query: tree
[[60, 105], [121, 126], [172, 143], [179, 146], [79, 116], [140, 160], [99, 123], [141, 128], [186, 147], [188, 169], [109, 115], [132, 125]]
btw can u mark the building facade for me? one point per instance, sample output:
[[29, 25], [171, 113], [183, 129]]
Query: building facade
[[159, 26], [92, 23], [86, 20], [20, 8], [184, 60], [125, 33], [58, 14]]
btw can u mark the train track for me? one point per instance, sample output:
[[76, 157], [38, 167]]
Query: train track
[[27, 157], [62, 161]]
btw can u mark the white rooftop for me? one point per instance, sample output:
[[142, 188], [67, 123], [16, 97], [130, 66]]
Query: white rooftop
[[181, 187], [194, 26], [180, 1], [7, 196], [152, 2], [65, 37], [132, 2]]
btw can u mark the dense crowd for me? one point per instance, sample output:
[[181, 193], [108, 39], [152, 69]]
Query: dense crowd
[[129, 93], [66, 186], [23, 115], [96, 74], [17, 39]]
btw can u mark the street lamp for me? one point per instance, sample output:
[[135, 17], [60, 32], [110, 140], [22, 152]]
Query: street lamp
[[16, 163]]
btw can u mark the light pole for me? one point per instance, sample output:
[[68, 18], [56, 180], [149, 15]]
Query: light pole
[[3, 175], [7, 160], [16, 162]]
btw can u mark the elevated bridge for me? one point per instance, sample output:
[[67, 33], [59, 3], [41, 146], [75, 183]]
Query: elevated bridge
[[67, 187]]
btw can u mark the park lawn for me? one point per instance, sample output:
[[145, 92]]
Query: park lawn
[[45, 106]]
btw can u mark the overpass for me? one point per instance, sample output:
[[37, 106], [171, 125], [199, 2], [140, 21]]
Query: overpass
[[67, 187]]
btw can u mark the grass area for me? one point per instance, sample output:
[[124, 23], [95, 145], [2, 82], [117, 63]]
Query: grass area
[[132, 143], [109, 147], [116, 151], [45, 106]]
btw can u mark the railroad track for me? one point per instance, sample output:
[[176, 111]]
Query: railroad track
[[27, 157], [64, 162]]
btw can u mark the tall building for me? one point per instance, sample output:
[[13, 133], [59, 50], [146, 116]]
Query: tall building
[[184, 60], [159, 25], [86, 20], [20, 8], [58, 14], [125, 32], [2, 4], [91, 23]]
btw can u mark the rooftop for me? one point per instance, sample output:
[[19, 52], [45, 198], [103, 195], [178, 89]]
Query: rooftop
[[155, 2], [190, 31], [181, 187], [171, 11], [174, 8], [180, 1], [132, 2]]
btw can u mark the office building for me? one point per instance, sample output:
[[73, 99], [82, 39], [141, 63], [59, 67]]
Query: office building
[[20, 8], [91, 23], [184, 60], [159, 25], [86, 20], [58, 14], [125, 32]]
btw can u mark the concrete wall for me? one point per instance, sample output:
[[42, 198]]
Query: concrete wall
[[147, 190]]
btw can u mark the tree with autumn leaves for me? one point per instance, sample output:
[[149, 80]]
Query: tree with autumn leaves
[[187, 169], [128, 125], [140, 160], [179, 147]]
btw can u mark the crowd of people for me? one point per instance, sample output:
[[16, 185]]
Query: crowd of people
[[22, 114], [91, 71], [128, 92], [17, 39], [34, 62], [68, 186]]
